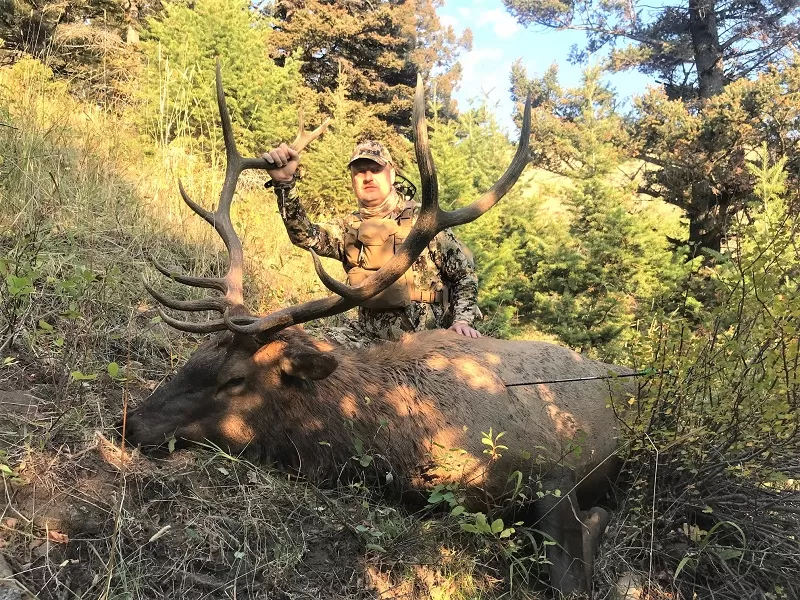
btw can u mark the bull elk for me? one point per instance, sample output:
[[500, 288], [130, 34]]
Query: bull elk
[[266, 388]]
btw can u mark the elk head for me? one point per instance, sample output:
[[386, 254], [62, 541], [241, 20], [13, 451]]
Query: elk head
[[242, 385]]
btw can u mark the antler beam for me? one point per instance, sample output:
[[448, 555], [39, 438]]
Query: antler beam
[[231, 284]]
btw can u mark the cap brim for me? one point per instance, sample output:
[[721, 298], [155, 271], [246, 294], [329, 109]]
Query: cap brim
[[371, 157]]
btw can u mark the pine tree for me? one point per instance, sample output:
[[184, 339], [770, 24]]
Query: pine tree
[[694, 48], [182, 49], [697, 160], [380, 46], [589, 283], [83, 41]]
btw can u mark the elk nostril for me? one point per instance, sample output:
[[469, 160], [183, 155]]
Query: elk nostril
[[129, 429]]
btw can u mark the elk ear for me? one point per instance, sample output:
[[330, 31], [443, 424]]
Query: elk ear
[[307, 363]]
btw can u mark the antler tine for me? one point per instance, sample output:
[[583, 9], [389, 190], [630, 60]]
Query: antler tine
[[204, 282], [192, 327], [507, 180], [430, 221], [207, 215], [304, 138], [422, 150], [187, 305], [231, 284]]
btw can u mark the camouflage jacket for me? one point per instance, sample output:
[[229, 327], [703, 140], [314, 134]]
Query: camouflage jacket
[[445, 258]]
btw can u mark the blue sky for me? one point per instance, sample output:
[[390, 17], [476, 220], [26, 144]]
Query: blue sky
[[498, 41]]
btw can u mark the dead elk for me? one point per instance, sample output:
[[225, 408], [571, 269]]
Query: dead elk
[[264, 387]]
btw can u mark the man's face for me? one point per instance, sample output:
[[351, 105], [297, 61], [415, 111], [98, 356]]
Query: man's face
[[372, 182]]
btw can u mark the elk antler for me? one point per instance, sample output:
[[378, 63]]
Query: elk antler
[[430, 221], [231, 284]]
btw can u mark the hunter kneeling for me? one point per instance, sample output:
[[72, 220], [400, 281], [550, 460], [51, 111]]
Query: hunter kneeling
[[441, 288]]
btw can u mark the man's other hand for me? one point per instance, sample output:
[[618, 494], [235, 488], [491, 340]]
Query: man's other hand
[[462, 328], [282, 163]]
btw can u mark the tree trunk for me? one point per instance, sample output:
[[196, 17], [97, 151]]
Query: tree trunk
[[706, 223], [707, 51]]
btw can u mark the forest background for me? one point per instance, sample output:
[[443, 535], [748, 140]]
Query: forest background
[[658, 233]]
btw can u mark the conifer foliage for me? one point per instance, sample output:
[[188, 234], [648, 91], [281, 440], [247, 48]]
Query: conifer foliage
[[182, 47], [600, 269], [380, 45]]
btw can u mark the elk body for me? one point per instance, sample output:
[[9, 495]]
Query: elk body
[[417, 407]]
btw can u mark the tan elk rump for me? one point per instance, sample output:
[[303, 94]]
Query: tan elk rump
[[414, 409]]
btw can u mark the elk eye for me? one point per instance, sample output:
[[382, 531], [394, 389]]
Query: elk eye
[[233, 382]]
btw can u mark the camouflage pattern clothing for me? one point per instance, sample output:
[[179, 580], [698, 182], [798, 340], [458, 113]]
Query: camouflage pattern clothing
[[445, 259]]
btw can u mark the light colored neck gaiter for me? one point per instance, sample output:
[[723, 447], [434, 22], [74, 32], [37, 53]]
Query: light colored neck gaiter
[[384, 208]]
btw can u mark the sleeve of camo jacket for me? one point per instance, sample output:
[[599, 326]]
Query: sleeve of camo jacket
[[326, 240], [458, 273]]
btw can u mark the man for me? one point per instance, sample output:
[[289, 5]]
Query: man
[[439, 290]]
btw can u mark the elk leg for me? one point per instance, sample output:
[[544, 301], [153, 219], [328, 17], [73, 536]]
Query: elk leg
[[594, 523], [558, 518]]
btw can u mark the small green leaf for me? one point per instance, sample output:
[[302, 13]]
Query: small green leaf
[[457, 511], [44, 325], [727, 554], [376, 548], [113, 369], [78, 376], [481, 524], [365, 460], [171, 445], [497, 525]]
